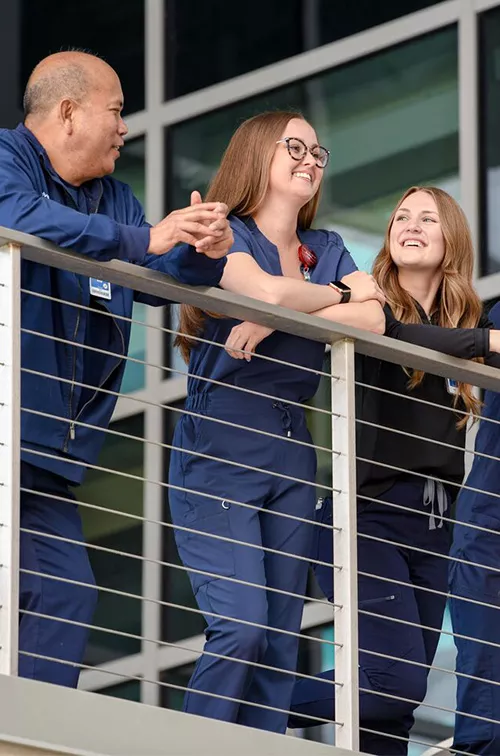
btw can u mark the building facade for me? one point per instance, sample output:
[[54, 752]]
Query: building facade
[[401, 93]]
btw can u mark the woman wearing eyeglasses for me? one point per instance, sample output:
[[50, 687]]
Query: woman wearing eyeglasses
[[270, 178]]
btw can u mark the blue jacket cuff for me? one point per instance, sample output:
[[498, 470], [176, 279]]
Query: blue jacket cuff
[[190, 267], [133, 243]]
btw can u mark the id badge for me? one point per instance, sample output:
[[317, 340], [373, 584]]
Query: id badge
[[100, 289], [451, 386]]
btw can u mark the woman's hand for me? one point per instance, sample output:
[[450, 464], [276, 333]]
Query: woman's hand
[[246, 337], [363, 287], [494, 341]]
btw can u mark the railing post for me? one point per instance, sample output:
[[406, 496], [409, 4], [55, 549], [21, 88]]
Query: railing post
[[344, 544], [10, 408]]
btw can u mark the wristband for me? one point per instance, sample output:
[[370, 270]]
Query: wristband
[[343, 290]]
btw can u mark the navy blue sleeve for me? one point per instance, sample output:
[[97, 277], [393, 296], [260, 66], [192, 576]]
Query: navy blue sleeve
[[185, 265], [494, 316], [24, 209], [240, 244], [182, 262], [346, 263]]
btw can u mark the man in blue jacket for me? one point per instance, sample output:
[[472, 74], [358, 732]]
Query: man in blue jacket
[[55, 183], [475, 589]]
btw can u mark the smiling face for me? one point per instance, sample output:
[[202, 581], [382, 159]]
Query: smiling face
[[99, 129], [297, 179], [416, 236]]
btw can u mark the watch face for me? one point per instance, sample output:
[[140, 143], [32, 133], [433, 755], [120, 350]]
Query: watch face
[[340, 285]]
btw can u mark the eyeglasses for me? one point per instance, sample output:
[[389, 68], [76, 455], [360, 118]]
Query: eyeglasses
[[297, 149]]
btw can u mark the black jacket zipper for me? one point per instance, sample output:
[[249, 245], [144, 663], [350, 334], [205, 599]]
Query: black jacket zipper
[[71, 433], [107, 377]]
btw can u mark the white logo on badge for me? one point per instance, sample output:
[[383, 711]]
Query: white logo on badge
[[100, 289], [44, 194]]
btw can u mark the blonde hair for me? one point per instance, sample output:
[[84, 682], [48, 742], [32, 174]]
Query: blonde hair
[[458, 305], [241, 183]]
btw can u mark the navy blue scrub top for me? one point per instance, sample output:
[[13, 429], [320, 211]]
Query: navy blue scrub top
[[334, 262]]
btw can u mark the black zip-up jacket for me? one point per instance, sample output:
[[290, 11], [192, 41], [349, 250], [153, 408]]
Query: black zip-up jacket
[[402, 413]]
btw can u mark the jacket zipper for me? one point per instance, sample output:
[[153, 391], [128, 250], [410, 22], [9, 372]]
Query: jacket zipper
[[106, 379], [72, 433], [380, 600]]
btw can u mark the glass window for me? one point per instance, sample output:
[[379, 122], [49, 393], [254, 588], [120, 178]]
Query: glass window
[[209, 42], [119, 533], [130, 690], [259, 34], [130, 169], [332, 21], [174, 683], [489, 50], [390, 121], [113, 30]]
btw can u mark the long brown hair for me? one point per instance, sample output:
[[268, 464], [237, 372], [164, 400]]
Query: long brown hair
[[241, 183], [458, 305]]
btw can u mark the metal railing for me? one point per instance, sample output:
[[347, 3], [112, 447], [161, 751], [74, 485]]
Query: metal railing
[[340, 454]]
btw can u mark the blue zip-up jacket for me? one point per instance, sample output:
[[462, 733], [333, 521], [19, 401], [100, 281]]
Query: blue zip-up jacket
[[101, 219], [478, 503]]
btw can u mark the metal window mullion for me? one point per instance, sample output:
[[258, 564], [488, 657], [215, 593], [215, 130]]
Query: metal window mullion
[[10, 410], [310, 63], [153, 426], [483, 5], [344, 545], [468, 132]]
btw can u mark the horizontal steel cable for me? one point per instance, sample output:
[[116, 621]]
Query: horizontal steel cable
[[166, 644], [136, 517], [173, 686], [180, 411], [174, 332], [427, 402], [446, 709], [427, 440], [430, 667], [420, 512], [411, 740], [423, 476], [441, 631], [164, 484], [162, 563], [420, 550], [172, 447], [172, 605]]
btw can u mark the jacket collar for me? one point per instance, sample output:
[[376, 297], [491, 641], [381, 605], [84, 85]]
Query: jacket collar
[[93, 187]]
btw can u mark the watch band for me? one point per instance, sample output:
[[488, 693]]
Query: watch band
[[343, 290]]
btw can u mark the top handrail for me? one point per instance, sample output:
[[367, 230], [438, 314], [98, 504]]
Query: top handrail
[[246, 308]]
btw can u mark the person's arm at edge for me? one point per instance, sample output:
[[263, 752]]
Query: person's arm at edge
[[467, 343], [368, 316], [26, 210]]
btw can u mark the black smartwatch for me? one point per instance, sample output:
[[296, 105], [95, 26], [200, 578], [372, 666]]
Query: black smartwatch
[[343, 290]]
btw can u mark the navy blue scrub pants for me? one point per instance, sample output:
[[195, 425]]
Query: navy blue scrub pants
[[389, 601], [40, 558], [244, 618], [480, 698]]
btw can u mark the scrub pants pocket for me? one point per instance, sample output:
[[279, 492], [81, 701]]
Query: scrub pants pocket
[[209, 517]]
